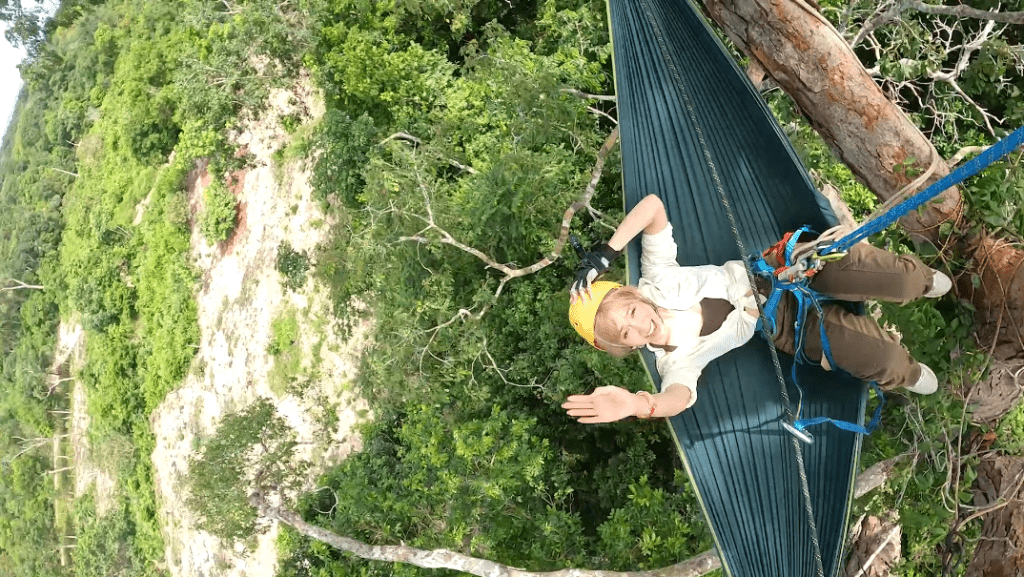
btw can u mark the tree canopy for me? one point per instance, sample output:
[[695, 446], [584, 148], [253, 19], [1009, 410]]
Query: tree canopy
[[469, 124]]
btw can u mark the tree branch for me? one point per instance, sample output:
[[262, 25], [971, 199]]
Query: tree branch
[[884, 13], [963, 11], [889, 11], [696, 566], [410, 138], [575, 92], [512, 272], [20, 285], [593, 110], [893, 533], [950, 77], [74, 174], [963, 152], [445, 559]]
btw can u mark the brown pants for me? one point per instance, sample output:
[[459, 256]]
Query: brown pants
[[859, 346]]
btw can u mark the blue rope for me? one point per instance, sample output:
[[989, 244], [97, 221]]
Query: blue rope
[[805, 298], [965, 171]]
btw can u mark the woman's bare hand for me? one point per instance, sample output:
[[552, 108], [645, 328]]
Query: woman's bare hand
[[604, 405]]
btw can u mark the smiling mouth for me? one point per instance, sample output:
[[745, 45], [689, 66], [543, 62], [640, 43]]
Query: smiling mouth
[[653, 328]]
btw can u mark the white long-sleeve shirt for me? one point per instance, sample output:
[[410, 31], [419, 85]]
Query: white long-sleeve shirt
[[671, 286]]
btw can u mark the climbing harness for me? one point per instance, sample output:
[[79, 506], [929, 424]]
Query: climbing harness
[[797, 268], [792, 274]]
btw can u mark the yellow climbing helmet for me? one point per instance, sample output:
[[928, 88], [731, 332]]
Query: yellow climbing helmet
[[583, 311]]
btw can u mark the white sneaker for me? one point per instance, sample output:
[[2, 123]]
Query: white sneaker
[[927, 383], [940, 285]]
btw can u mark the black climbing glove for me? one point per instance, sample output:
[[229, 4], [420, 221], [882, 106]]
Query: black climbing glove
[[592, 264]]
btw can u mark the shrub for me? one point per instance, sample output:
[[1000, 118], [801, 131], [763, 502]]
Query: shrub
[[219, 213], [253, 448], [293, 265]]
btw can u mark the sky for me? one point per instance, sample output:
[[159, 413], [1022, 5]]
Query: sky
[[10, 78]]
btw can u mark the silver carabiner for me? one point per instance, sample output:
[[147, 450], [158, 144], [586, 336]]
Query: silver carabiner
[[799, 433]]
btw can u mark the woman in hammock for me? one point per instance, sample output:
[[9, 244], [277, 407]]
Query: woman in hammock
[[689, 316]]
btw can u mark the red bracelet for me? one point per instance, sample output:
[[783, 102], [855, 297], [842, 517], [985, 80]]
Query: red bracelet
[[650, 399]]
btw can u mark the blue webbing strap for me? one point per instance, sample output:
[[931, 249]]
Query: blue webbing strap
[[876, 418], [805, 298], [963, 172]]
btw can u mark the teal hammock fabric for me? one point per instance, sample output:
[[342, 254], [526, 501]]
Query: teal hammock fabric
[[675, 83]]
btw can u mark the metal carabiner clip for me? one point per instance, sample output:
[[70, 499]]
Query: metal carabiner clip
[[799, 433]]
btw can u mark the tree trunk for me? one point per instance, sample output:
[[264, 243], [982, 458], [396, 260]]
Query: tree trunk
[[1000, 551], [811, 61]]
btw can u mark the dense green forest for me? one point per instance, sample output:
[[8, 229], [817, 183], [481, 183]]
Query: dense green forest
[[467, 449]]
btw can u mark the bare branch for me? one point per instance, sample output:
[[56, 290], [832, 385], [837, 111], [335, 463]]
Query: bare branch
[[20, 285], [491, 364], [410, 138], [885, 12], [963, 11], [575, 92], [963, 152], [445, 559], [448, 239], [584, 201], [893, 533], [889, 11], [461, 166], [401, 136], [965, 56], [74, 174], [593, 110], [30, 444], [512, 272]]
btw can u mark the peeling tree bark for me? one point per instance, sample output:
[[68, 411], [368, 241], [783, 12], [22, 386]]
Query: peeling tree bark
[[811, 61], [1000, 551]]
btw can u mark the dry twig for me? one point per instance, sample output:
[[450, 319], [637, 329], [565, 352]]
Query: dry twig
[[20, 285]]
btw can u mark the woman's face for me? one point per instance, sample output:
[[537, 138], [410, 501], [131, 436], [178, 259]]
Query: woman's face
[[633, 322]]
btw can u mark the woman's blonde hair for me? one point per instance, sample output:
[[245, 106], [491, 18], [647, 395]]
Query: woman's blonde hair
[[606, 334]]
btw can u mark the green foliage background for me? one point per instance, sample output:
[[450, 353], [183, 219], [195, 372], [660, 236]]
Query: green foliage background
[[467, 448]]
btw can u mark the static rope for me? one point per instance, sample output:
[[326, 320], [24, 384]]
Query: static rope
[[963, 172], [808, 507]]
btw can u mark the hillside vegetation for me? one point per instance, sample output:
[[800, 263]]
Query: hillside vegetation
[[447, 126]]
